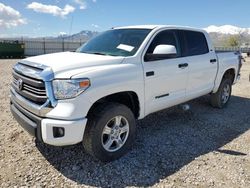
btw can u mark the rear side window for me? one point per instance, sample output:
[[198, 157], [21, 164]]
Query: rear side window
[[196, 43]]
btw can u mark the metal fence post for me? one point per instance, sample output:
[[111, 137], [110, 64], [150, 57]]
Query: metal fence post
[[44, 50], [63, 44]]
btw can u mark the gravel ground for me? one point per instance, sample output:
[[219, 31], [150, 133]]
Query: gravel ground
[[202, 147]]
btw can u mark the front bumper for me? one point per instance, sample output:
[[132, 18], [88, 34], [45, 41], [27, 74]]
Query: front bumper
[[73, 131], [43, 128], [27, 120]]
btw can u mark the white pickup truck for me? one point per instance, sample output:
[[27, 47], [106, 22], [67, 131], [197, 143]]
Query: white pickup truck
[[94, 95]]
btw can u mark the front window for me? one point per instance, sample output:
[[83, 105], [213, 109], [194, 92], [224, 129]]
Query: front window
[[117, 42]]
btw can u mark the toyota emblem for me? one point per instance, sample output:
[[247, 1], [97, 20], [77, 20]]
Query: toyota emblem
[[19, 84]]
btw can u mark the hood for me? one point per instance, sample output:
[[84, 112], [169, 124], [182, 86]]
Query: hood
[[66, 61]]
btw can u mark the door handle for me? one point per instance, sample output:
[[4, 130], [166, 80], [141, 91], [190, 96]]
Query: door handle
[[150, 73], [213, 61], [183, 65]]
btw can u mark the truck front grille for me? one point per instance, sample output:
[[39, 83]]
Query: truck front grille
[[31, 88]]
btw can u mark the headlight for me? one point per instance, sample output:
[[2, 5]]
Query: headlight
[[66, 89]]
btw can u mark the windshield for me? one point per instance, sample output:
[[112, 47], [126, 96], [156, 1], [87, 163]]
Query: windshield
[[117, 42]]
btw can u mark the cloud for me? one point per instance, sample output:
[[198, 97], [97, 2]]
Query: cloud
[[82, 3], [95, 26], [10, 17], [94, 1], [62, 33], [51, 9]]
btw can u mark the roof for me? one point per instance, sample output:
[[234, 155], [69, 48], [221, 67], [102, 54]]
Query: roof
[[138, 27], [158, 27]]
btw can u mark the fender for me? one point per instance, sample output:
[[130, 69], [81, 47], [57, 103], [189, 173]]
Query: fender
[[115, 79], [220, 76]]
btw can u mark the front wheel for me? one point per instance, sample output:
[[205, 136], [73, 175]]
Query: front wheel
[[222, 96], [110, 132]]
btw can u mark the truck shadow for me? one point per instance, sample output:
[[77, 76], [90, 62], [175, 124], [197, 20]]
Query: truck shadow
[[166, 142]]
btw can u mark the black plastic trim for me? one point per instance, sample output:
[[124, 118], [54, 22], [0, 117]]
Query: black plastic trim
[[161, 96], [30, 122]]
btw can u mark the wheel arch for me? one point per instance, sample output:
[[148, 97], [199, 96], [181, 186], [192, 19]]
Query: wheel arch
[[228, 73], [127, 98]]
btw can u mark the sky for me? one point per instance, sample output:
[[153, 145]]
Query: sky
[[37, 18]]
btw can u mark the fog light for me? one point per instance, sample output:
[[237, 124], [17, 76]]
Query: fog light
[[58, 132]]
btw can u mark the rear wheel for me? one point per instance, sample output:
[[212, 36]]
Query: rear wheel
[[221, 97], [110, 132]]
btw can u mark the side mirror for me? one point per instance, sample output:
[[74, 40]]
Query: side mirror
[[165, 49], [162, 52]]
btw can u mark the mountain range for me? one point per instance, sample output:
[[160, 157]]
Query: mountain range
[[219, 34], [227, 30], [83, 36]]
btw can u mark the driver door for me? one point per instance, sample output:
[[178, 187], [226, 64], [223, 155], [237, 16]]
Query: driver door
[[165, 79]]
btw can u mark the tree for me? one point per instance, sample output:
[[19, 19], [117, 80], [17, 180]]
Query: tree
[[233, 41]]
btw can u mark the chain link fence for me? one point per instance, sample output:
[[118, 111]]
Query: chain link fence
[[233, 49]]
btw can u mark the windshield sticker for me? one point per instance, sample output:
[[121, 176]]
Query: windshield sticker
[[125, 47]]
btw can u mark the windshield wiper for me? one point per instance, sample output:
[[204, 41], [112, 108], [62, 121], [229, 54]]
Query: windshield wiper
[[97, 53]]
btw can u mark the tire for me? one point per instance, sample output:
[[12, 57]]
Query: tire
[[103, 127], [220, 99]]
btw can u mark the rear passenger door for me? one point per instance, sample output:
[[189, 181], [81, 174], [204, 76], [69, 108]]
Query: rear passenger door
[[202, 64]]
